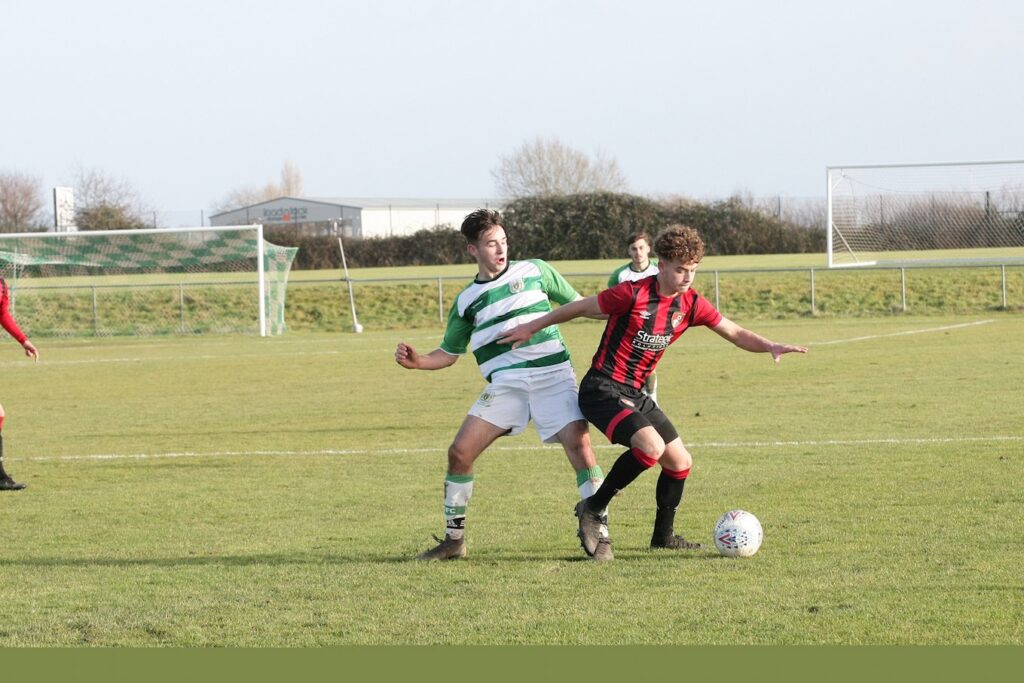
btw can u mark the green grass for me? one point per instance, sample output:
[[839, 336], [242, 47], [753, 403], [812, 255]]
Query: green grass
[[238, 491]]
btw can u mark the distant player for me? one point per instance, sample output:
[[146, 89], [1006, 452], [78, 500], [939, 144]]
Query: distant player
[[6, 483], [644, 317], [531, 383], [640, 266]]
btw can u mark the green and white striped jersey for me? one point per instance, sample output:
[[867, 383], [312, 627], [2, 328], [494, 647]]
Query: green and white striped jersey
[[483, 311], [627, 274]]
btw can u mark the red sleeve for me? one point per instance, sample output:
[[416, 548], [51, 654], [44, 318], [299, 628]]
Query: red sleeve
[[616, 300], [6, 319], [706, 313]]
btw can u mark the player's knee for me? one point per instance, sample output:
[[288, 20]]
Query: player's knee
[[684, 462], [460, 460], [649, 443], [677, 458]]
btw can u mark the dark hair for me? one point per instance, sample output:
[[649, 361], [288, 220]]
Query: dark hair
[[479, 221], [642, 235], [679, 243]]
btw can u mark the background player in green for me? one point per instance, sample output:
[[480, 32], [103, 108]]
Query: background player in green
[[7, 321], [644, 317], [640, 266], [535, 383]]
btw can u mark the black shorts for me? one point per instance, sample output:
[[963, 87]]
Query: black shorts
[[620, 411]]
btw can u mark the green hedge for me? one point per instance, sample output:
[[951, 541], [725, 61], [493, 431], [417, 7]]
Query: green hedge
[[574, 227]]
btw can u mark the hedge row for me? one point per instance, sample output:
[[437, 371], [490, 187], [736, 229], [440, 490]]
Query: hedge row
[[584, 226]]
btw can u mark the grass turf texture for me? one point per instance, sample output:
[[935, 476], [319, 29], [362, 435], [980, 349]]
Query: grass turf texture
[[272, 492]]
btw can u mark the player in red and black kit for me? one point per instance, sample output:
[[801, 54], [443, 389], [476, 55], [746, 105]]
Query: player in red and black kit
[[644, 317], [6, 483]]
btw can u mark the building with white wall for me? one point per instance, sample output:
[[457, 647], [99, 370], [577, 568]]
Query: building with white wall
[[356, 216]]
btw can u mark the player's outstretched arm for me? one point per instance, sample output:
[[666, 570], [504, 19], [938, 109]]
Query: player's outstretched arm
[[753, 342], [573, 309], [407, 356]]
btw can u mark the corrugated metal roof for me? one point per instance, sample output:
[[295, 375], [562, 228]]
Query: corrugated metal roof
[[410, 203], [385, 202]]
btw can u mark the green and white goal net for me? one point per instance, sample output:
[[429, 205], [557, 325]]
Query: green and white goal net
[[918, 213], [147, 282]]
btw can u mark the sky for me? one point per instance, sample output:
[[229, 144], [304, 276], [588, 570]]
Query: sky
[[190, 100]]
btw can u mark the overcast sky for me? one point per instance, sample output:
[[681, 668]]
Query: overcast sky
[[188, 100]]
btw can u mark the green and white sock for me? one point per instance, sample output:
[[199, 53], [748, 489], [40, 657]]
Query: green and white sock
[[458, 489], [588, 480]]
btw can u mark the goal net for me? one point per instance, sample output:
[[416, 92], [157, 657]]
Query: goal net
[[964, 212], [146, 282]]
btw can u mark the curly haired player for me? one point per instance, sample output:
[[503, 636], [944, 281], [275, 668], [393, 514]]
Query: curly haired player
[[644, 317]]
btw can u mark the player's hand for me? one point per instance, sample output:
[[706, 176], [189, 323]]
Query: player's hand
[[406, 356], [779, 349], [516, 336], [30, 350]]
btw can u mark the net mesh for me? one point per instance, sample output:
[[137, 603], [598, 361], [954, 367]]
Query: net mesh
[[948, 212], [144, 282]]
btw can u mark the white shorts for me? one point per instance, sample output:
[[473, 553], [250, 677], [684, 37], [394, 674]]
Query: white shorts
[[550, 399]]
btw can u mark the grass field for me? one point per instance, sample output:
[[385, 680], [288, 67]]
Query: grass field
[[239, 491]]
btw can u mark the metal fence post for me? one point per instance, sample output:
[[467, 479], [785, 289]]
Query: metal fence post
[[1002, 270], [181, 307], [903, 287], [440, 300], [95, 314], [813, 309], [717, 305]]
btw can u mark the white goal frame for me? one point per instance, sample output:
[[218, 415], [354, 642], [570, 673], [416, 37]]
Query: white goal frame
[[261, 276], [836, 241]]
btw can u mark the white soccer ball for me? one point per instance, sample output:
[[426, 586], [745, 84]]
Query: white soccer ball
[[357, 328], [738, 534]]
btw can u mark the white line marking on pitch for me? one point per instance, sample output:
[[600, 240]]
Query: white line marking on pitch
[[440, 450], [162, 359], [902, 334]]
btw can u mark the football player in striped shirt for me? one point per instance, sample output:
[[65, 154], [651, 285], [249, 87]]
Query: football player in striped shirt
[[644, 317], [640, 266], [534, 382], [7, 321]]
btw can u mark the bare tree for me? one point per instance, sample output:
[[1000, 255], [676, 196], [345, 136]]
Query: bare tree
[[21, 202], [546, 168], [103, 202], [290, 185], [291, 180]]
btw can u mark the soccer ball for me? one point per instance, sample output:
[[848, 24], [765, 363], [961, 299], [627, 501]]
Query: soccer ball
[[738, 534]]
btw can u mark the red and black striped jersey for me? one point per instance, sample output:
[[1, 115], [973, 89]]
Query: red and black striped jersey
[[642, 324]]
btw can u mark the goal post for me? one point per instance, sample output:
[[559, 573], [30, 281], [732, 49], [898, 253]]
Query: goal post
[[967, 212], [147, 282]]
